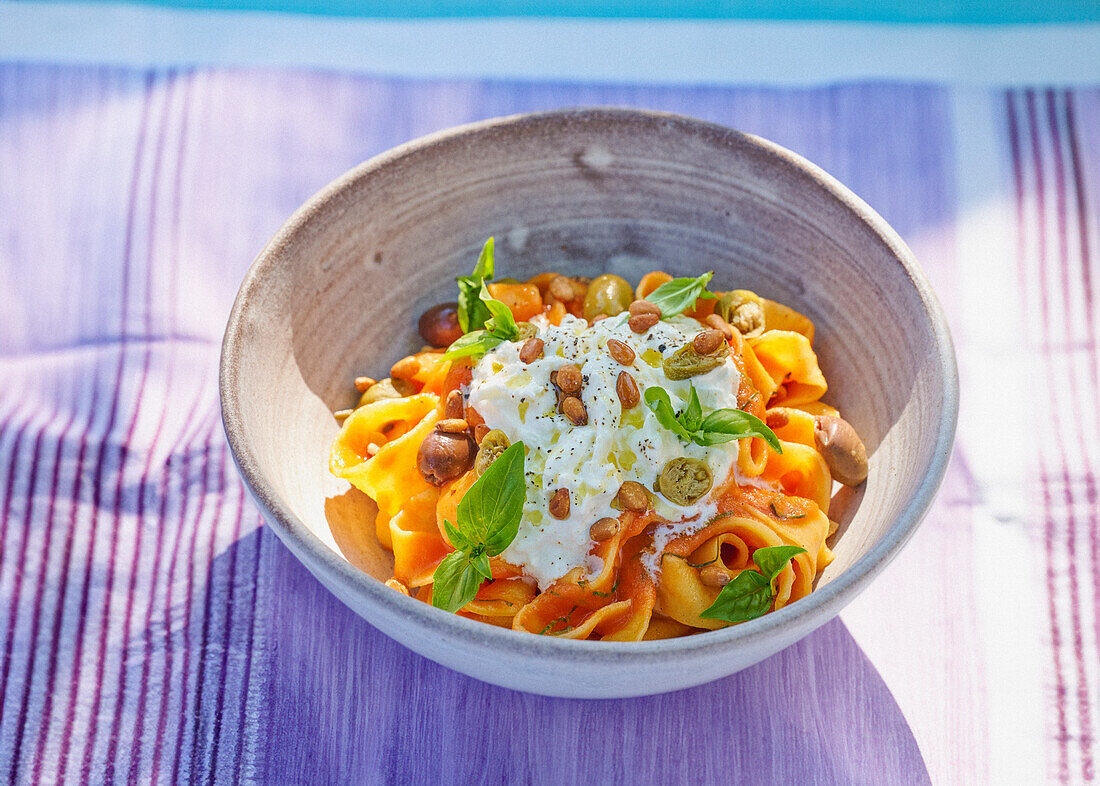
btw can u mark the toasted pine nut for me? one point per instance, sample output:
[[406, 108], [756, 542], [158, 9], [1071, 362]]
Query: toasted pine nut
[[455, 406], [452, 426], [559, 504], [531, 350], [622, 353], [707, 342], [644, 307], [603, 529], [363, 383], [633, 496], [569, 379], [714, 576], [480, 430], [640, 323], [574, 409], [627, 390]]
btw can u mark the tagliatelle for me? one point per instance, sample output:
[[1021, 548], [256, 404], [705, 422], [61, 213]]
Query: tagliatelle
[[638, 574]]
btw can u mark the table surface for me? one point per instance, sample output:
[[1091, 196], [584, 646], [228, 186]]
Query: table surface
[[153, 630]]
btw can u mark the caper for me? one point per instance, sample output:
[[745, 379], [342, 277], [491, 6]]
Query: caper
[[686, 362], [684, 480], [526, 331], [608, 295], [382, 389], [492, 445], [743, 309]]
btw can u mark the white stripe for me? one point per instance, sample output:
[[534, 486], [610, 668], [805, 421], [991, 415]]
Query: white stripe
[[998, 448], [620, 50]]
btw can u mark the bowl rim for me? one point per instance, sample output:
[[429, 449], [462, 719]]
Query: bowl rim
[[810, 612]]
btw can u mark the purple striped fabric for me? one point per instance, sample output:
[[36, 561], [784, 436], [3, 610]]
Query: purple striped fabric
[[1056, 231], [153, 631]]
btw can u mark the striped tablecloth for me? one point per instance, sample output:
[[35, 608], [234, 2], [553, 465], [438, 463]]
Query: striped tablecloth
[[154, 631]]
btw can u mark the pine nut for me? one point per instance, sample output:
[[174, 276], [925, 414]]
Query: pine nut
[[627, 389], [714, 576], [455, 406], [707, 342], [622, 353], [569, 379], [575, 411], [452, 426], [531, 350], [633, 496], [603, 529], [559, 504]]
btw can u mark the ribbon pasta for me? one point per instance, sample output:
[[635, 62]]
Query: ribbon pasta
[[769, 499]]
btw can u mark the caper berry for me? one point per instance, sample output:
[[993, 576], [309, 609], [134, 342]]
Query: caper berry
[[492, 445], [608, 295], [444, 456], [382, 389], [743, 309], [526, 331], [685, 480], [686, 362]]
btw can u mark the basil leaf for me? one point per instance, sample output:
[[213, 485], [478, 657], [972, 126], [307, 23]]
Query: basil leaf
[[676, 296], [480, 562], [456, 582], [747, 597], [692, 416], [502, 324], [737, 424], [772, 559], [490, 512], [750, 594], [458, 540], [472, 313], [658, 401], [473, 344], [484, 268]]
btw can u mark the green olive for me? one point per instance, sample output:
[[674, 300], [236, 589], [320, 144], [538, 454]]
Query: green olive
[[492, 445], [608, 295], [382, 389], [526, 331], [686, 362], [685, 480], [744, 310]]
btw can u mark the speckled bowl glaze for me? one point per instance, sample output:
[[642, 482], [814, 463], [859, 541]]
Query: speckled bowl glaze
[[338, 291]]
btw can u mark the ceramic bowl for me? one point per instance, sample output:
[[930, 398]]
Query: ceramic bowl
[[338, 291]]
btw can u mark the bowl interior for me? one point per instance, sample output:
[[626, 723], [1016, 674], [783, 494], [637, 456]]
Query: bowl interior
[[338, 292]]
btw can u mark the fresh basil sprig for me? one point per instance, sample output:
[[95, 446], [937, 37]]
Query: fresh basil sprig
[[500, 326], [487, 522], [752, 592], [472, 313], [676, 296], [717, 427]]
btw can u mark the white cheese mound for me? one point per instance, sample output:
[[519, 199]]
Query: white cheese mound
[[592, 461]]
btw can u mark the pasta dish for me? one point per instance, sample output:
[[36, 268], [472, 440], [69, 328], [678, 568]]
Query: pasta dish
[[594, 460]]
